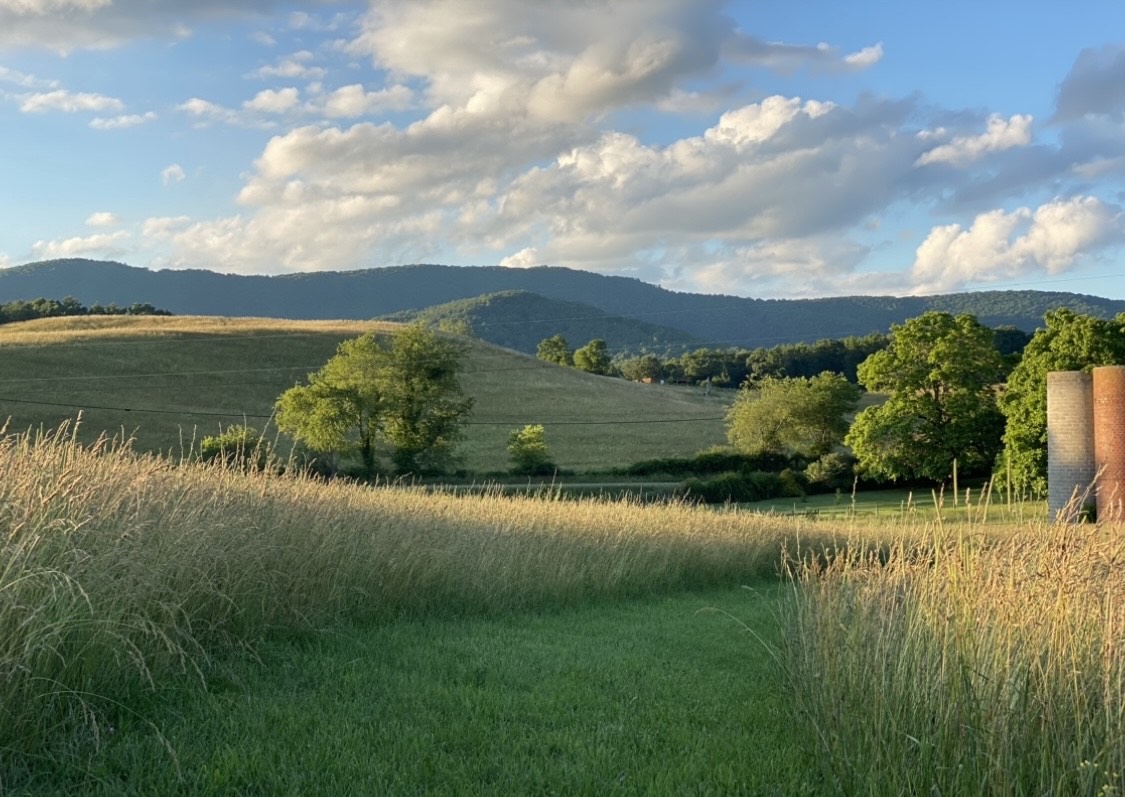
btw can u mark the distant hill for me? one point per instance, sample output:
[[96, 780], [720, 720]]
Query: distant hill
[[519, 320], [371, 293]]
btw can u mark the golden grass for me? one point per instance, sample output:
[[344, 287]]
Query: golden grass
[[967, 665], [117, 568]]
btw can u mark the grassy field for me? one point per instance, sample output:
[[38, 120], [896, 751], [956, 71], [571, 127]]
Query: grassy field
[[909, 507], [665, 695], [170, 627], [169, 380], [962, 658]]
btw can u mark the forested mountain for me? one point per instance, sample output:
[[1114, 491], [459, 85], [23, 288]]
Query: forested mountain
[[711, 320], [520, 320]]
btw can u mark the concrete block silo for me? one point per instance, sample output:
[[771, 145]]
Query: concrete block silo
[[1070, 439]]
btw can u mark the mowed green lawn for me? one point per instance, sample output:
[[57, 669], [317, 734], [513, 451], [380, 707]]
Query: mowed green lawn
[[169, 380], [664, 696]]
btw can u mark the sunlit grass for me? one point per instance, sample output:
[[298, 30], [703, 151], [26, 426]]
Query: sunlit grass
[[168, 380], [966, 665], [116, 569]]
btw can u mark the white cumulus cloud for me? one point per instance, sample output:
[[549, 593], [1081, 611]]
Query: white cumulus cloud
[[99, 245], [271, 101], [123, 121], [1001, 135], [103, 219], [62, 100], [173, 174], [1003, 245]]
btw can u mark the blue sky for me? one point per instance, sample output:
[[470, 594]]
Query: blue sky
[[747, 148]]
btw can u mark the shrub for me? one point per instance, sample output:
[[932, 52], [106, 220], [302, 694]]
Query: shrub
[[241, 447], [529, 453], [834, 471]]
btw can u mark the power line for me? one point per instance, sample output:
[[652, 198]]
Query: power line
[[259, 416]]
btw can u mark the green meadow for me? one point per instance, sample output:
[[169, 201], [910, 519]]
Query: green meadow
[[171, 627], [169, 380]]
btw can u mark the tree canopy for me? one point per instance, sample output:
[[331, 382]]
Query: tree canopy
[[940, 374], [593, 357], [801, 416], [555, 349], [1068, 342], [402, 392]]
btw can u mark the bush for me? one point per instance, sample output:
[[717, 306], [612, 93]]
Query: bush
[[833, 471], [710, 462], [528, 450], [737, 487], [240, 447]]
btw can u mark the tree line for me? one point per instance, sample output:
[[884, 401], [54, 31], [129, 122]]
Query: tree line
[[28, 310], [733, 367], [394, 404]]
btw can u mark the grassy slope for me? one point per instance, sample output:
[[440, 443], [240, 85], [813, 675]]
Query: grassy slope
[[159, 364], [645, 697]]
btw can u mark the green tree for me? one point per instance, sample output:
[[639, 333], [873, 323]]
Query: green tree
[[939, 373], [646, 366], [804, 416], [402, 391], [1068, 342], [593, 357], [528, 449], [555, 350]]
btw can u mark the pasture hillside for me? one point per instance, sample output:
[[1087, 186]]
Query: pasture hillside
[[169, 381]]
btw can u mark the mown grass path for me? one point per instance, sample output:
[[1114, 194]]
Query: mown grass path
[[667, 695]]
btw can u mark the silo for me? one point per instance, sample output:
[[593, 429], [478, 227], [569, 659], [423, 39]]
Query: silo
[[1109, 440], [1070, 440]]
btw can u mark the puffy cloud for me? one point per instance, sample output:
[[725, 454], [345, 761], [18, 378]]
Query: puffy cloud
[[355, 101], [164, 226], [292, 67], [120, 122], [263, 38], [100, 245], [173, 174], [1095, 85], [62, 100], [1003, 246], [565, 62], [1001, 135], [271, 101], [791, 57], [103, 219], [5, 261], [66, 25], [45, 7]]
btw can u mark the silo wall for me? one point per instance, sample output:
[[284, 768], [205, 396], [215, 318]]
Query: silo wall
[[1070, 441], [1109, 441]]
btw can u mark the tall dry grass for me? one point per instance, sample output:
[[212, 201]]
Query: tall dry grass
[[966, 666], [116, 569]]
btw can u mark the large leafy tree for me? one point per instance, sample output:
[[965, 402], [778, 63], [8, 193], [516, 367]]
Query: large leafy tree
[[593, 357], [555, 350], [801, 416], [401, 390], [1068, 342], [940, 374]]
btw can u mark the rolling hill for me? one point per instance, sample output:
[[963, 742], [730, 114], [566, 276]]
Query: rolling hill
[[371, 293], [166, 381], [519, 320]]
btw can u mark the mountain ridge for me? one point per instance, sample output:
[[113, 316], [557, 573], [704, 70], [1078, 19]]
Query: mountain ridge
[[712, 320]]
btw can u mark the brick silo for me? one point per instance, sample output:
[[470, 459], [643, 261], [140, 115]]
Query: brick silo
[[1070, 439], [1109, 440]]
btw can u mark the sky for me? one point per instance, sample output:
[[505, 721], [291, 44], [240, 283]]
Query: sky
[[748, 148]]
